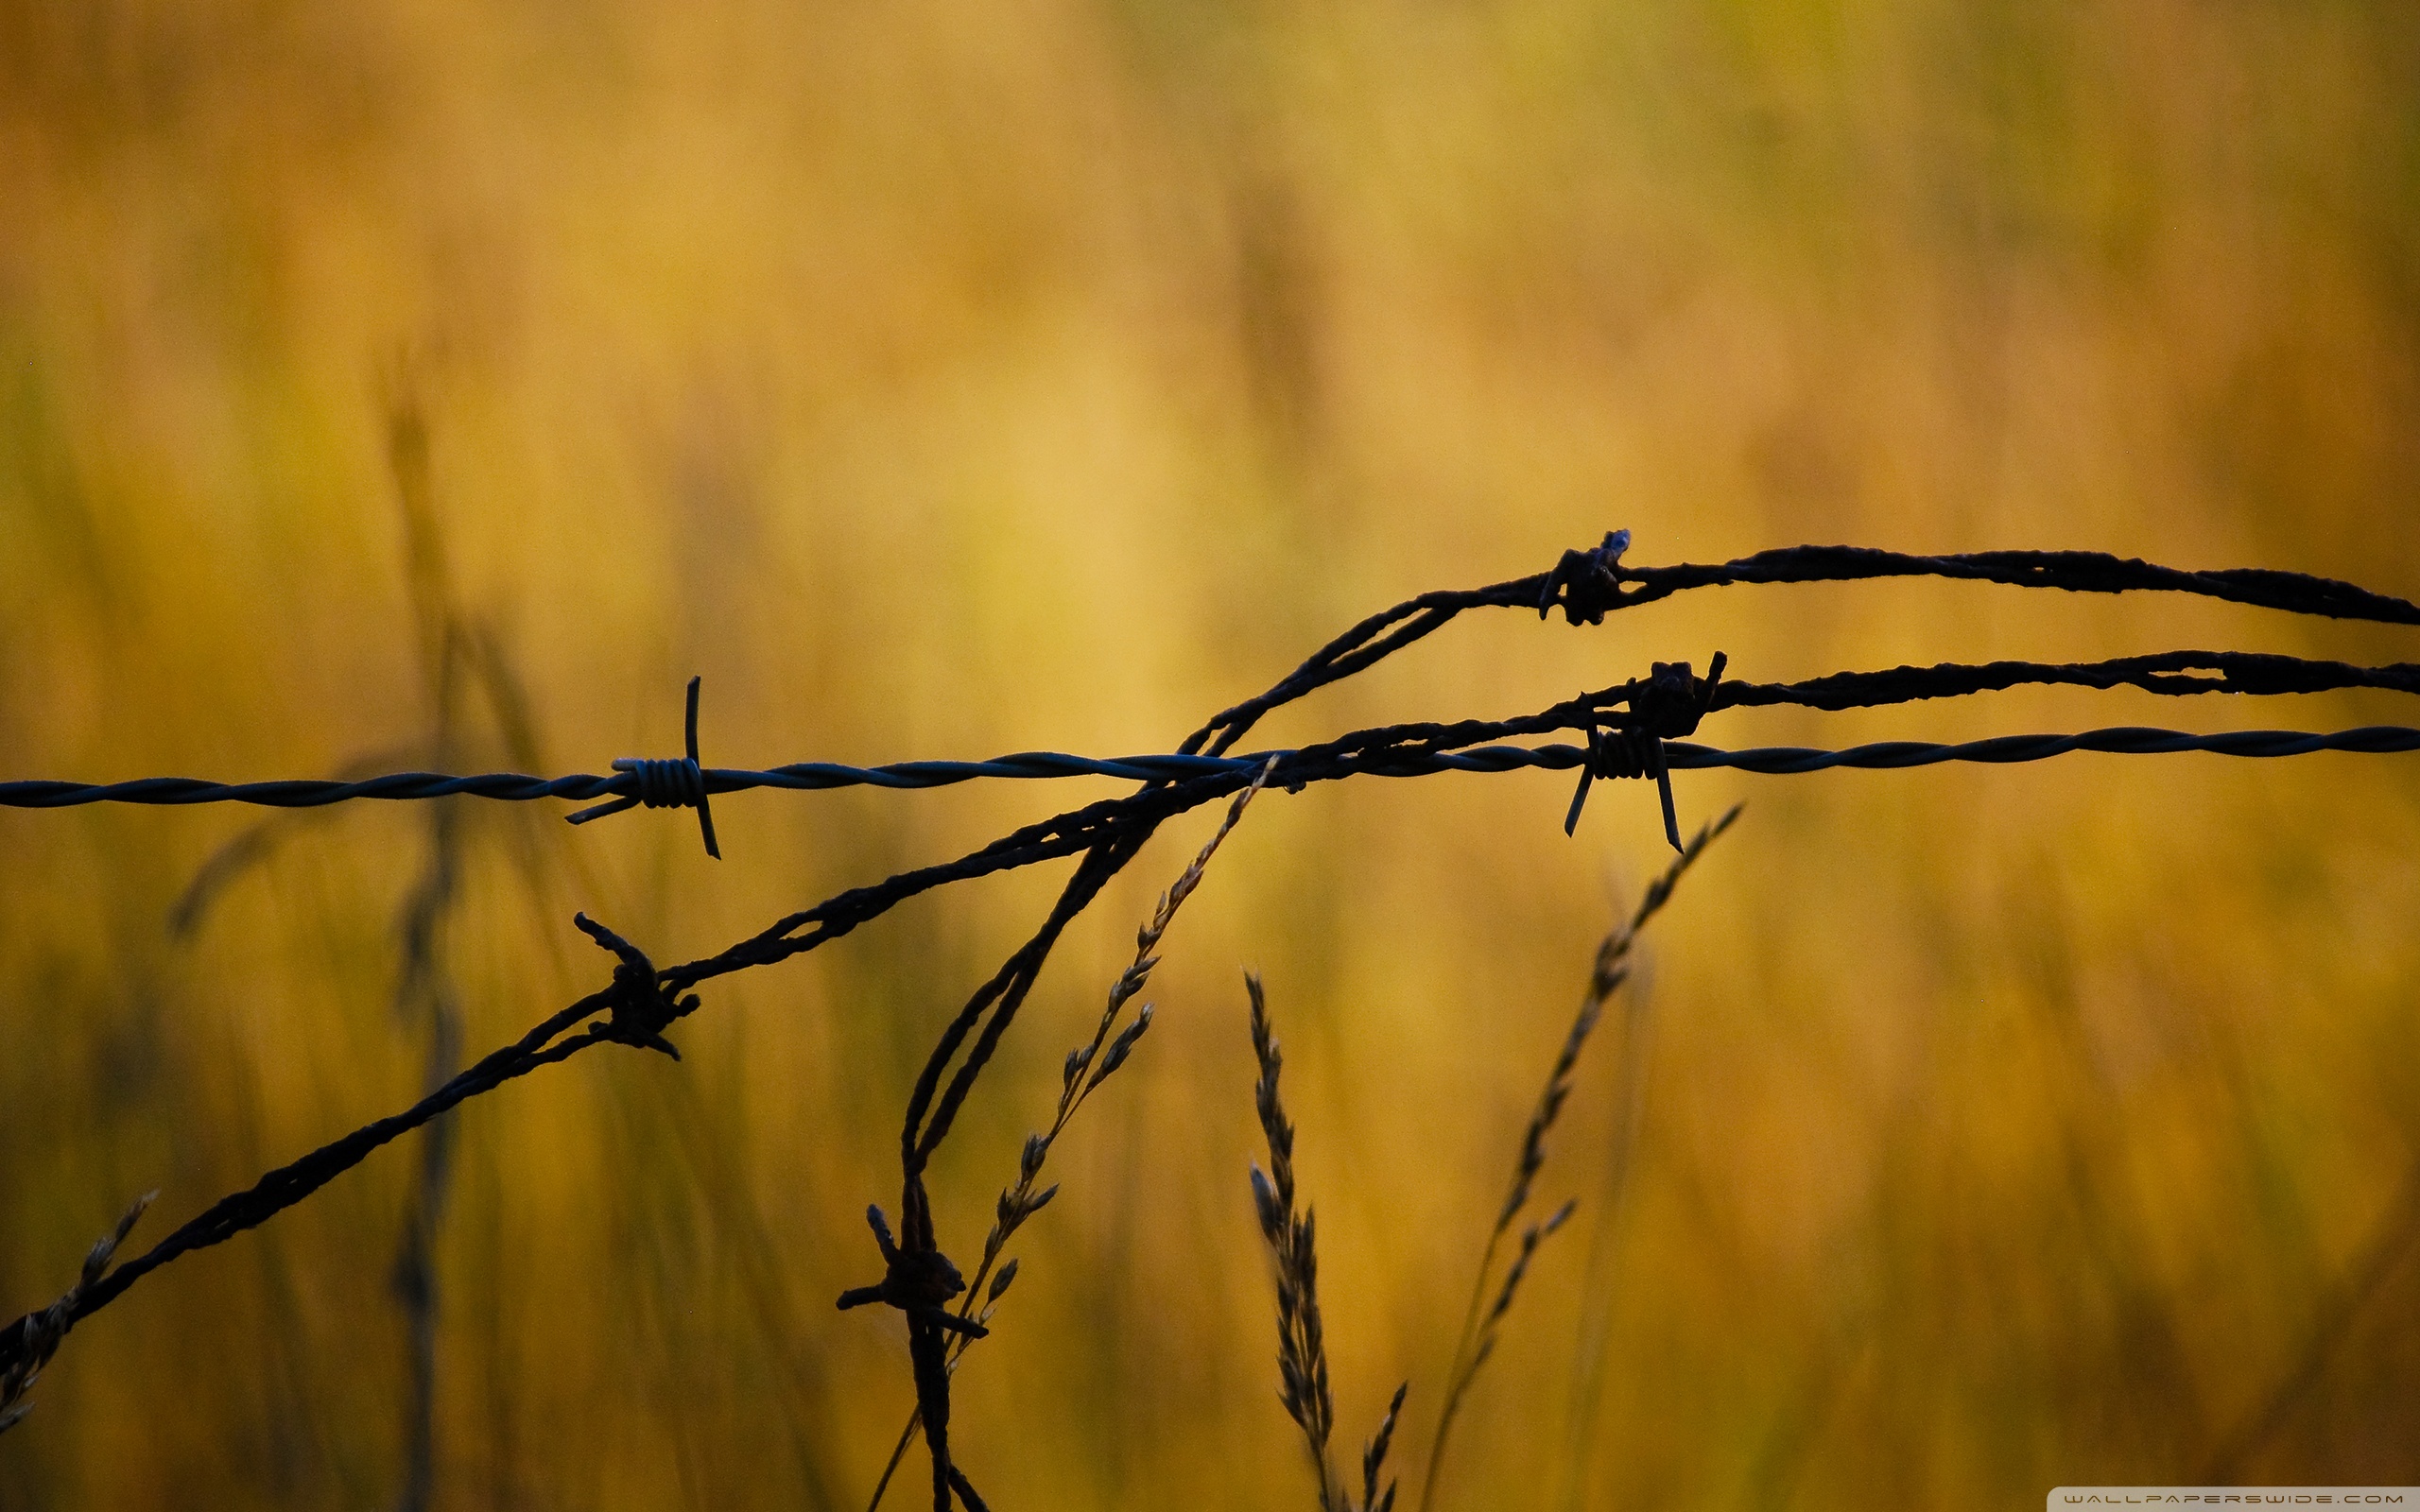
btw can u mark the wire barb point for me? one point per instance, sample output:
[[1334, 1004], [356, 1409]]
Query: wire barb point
[[1590, 581], [641, 1006], [665, 783], [1667, 706]]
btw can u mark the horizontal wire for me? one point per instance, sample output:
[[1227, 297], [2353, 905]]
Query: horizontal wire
[[545, 1043], [2132, 740], [1585, 586], [2175, 673], [515, 787], [1889, 755], [1036, 766], [2079, 572]]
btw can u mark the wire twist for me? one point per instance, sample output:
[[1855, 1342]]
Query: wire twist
[[1590, 581], [665, 782], [643, 1000], [1669, 705]]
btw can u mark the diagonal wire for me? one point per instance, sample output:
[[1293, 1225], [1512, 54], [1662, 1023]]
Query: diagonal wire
[[1585, 586], [552, 1040]]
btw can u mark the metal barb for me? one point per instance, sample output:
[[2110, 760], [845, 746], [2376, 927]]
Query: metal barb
[[1588, 580], [2175, 673], [1587, 775], [1296, 769], [917, 1281], [665, 783], [642, 1007], [1670, 704], [1109, 833]]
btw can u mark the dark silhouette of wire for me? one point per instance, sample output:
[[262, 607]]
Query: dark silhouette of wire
[[643, 1000], [2175, 673]]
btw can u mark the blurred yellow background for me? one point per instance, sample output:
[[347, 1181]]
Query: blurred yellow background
[[941, 380]]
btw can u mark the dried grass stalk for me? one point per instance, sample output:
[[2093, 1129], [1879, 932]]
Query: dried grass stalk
[[1301, 1344], [1113, 1040], [1086, 1067], [41, 1332], [1480, 1328], [1373, 1457], [1301, 1341]]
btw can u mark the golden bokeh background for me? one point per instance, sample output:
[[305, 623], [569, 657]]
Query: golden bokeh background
[[942, 379]]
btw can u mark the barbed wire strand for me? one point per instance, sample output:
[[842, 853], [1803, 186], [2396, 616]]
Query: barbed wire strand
[[1066, 834], [2170, 674], [1586, 585]]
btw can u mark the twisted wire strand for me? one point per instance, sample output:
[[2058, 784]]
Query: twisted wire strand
[[2077, 572], [1110, 831], [668, 783], [1894, 755], [1680, 755], [1368, 642], [1589, 597], [516, 787], [552, 1040]]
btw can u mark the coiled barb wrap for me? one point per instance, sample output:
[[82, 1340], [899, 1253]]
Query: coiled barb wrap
[[1672, 703], [665, 782]]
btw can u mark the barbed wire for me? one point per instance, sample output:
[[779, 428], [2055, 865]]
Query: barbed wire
[[1769, 760], [643, 780], [1633, 730]]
